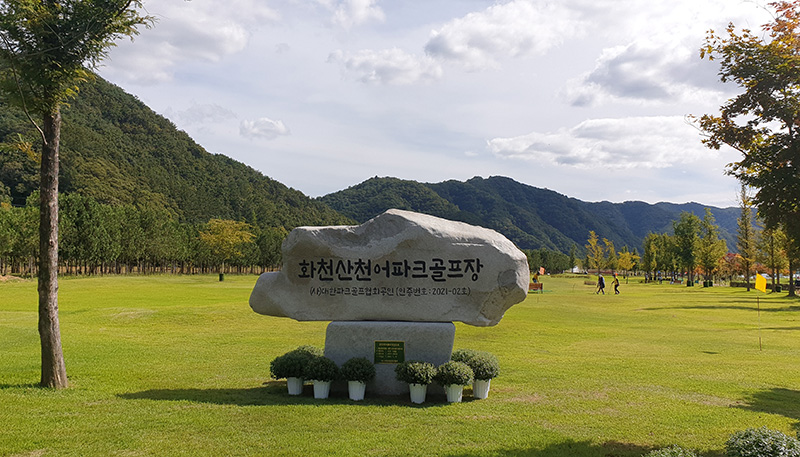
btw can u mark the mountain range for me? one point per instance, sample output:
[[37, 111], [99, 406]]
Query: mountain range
[[118, 151], [531, 217]]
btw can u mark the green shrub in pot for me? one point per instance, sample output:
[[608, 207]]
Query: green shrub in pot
[[462, 355], [484, 365], [454, 374], [358, 369], [292, 364], [289, 365], [415, 372], [321, 368]]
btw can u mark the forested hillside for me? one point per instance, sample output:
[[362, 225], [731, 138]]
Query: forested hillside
[[133, 169], [533, 218], [118, 151]]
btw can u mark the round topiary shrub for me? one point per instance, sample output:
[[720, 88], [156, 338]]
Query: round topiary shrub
[[484, 365], [321, 369], [761, 442], [289, 365], [462, 355], [308, 351], [671, 451], [358, 369], [292, 364], [415, 372], [454, 374]]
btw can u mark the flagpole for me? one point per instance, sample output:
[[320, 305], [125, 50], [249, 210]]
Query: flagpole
[[761, 285], [758, 305]]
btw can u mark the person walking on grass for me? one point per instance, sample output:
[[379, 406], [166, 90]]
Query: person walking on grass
[[616, 284], [601, 284]]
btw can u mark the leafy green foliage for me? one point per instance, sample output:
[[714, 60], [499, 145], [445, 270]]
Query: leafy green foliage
[[321, 368], [463, 355], [484, 365], [671, 451], [453, 373], [96, 238], [293, 364], [761, 442], [307, 351], [358, 369], [687, 233], [761, 122], [710, 248], [289, 365], [226, 239], [415, 372], [552, 261]]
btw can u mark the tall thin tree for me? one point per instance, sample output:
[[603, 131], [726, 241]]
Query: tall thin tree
[[48, 47], [745, 236]]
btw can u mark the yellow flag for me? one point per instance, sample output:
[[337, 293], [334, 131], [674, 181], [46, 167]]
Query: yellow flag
[[761, 283]]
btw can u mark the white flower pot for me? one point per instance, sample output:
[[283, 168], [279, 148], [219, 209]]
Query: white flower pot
[[480, 388], [454, 393], [418, 392], [322, 389], [295, 386], [356, 389]]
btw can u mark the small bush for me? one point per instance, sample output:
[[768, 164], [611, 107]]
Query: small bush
[[358, 369], [671, 451], [462, 355], [292, 364], [761, 442], [289, 365], [321, 369], [415, 372], [454, 374], [484, 366], [308, 351]]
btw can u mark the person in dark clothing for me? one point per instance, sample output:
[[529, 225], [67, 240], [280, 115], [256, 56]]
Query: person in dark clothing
[[601, 284], [616, 284]]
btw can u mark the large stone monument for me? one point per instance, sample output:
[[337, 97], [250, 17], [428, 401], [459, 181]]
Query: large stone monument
[[393, 286]]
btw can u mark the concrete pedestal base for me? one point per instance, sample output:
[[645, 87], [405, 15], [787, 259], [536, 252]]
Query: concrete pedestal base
[[426, 341]]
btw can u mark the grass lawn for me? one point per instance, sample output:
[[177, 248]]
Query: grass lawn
[[179, 366]]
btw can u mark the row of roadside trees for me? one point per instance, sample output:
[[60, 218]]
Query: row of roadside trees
[[605, 256], [695, 248], [96, 238]]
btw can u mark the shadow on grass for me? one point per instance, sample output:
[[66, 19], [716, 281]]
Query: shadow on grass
[[739, 304], [574, 449], [22, 386], [273, 393], [785, 402]]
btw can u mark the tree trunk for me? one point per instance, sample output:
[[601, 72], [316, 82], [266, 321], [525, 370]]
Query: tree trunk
[[54, 373]]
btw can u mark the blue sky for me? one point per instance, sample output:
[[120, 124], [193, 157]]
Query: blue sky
[[589, 98]]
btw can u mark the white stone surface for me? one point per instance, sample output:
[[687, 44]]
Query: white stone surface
[[426, 341], [398, 266]]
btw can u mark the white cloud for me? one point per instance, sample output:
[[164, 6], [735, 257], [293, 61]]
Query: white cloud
[[388, 66], [263, 128], [656, 57], [202, 114], [636, 142], [196, 31], [514, 29], [350, 13], [645, 74]]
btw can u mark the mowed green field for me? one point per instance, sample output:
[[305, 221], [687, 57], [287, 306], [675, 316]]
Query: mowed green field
[[179, 366]]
